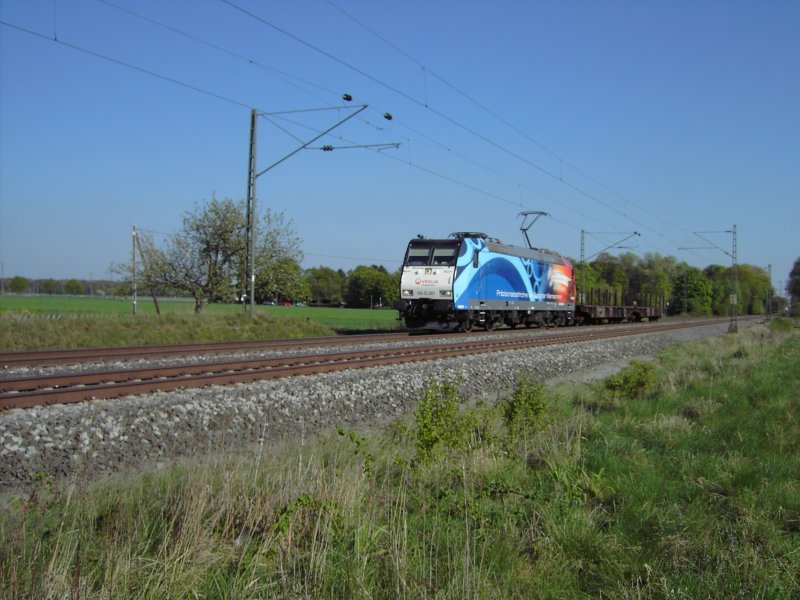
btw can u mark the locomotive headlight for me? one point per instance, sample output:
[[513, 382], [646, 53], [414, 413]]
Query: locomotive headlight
[[446, 293], [407, 293]]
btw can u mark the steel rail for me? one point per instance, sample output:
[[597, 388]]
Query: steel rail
[[28, 358], [31, 358], [27, 392]]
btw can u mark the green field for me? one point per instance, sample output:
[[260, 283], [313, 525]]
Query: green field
[[33, 322], [336, 318]]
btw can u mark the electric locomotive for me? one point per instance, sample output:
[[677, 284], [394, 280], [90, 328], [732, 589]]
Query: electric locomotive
[[471, 280]]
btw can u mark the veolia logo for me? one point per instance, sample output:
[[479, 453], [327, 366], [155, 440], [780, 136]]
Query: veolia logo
[[420, 281]]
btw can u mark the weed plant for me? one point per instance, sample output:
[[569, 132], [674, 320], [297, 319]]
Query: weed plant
[[682, 482]]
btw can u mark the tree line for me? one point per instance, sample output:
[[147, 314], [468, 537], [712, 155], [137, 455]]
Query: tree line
[[713, 290], [70, 287], [206, 260]]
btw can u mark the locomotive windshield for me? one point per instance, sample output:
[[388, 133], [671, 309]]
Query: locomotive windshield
[[423, 253]]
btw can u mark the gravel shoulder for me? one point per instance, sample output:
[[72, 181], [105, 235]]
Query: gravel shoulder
[[89, 440]]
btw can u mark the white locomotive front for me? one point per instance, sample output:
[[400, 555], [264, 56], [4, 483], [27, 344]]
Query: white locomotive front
[[426, 283]]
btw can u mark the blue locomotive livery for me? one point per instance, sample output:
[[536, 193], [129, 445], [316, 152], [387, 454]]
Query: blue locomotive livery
[[470, 279]]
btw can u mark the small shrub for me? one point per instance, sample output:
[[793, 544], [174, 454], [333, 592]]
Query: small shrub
[[781, 324], [439, 422], [523, 410], [636, 381]]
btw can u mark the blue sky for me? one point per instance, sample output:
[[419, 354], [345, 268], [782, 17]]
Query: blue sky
[[659, 117]]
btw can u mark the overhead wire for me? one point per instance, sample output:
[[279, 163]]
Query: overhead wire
[[128, 65], [444, 116], [278, 73], [511, 125], [286, 77], [428, 171], [230, 100], [292, 80], [275, 71], [494, 114]]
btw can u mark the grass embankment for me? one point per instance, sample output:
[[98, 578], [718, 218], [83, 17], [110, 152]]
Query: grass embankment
[[35, 322], [671, 480], [34, 332]]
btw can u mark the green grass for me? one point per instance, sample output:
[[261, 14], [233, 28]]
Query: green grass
[[90, 305], [336, 318], [34, 322], [340, 319], [39, 331], [686, 487], [701, 478]]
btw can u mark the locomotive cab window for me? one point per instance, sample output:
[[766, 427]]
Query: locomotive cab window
[[417, 256], [444, 256], [432, 253]]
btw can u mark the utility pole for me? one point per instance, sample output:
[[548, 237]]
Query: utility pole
[[685, 292], [583, 266], [769, 292], [133, 262], [734, 326], [583, 244], [249, 265], [253, 174]]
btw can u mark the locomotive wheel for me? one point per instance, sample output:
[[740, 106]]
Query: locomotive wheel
[[489, 325], [466, 326]]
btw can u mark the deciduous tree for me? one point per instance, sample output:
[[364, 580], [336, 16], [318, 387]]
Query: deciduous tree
[[203, 258], [326, 285], [206, 258], [691, 292], [278, 257], [793, 287], [73, 287], [18, 285], [50, 286], [282, 280], [368, 287]]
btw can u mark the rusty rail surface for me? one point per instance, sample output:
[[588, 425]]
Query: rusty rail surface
[[28, 358], [27, 392]]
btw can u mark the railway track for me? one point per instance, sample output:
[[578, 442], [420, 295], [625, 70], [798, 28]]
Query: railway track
[[58, 357], [27, 392]]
